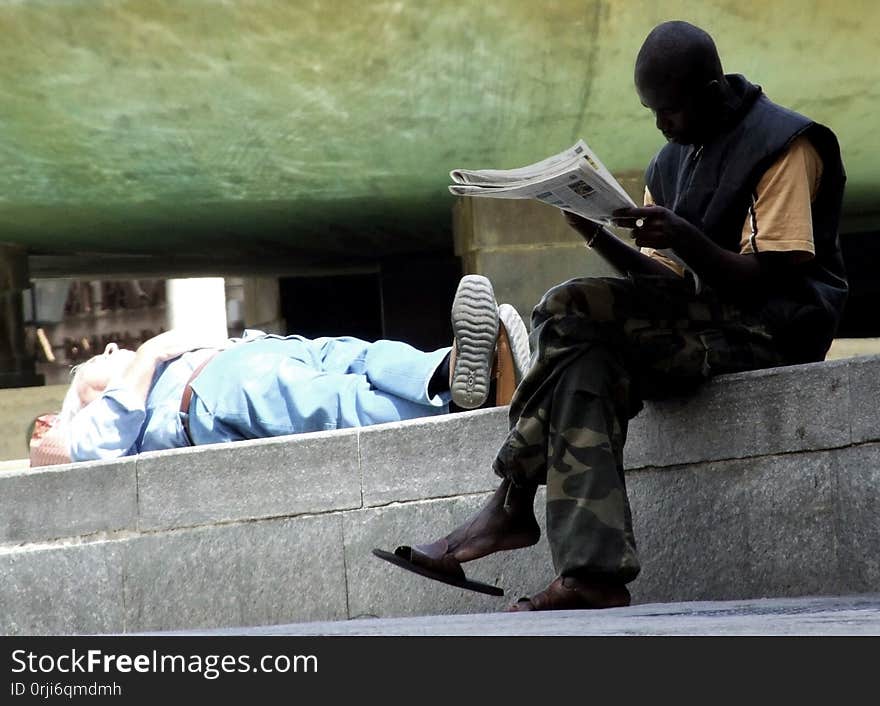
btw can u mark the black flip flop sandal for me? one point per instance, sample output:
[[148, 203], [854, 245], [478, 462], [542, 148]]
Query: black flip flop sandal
[[402, 557]]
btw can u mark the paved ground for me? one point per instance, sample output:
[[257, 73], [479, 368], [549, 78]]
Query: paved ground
[[833, 615]]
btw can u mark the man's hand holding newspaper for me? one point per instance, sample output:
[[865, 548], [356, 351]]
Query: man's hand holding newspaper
[[574, 180]]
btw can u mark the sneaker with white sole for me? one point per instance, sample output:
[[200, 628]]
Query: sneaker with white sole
[[512, 353]]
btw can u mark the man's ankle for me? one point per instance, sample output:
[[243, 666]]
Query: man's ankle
[[439, 381]]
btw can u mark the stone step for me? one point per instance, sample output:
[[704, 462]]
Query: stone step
[[763, 484], [811, 615]]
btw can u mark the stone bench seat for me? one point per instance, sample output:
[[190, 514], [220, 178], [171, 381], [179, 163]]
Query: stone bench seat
[[763, 484]]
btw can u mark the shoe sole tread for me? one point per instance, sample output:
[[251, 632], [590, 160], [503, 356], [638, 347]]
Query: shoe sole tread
[[475, 327]]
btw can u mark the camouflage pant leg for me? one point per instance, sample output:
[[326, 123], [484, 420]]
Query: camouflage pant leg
[[604, 344]]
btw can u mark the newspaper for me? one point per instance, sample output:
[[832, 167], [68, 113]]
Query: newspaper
[[574, 180]]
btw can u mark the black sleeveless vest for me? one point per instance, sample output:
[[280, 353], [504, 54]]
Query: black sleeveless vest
[[712, 187]]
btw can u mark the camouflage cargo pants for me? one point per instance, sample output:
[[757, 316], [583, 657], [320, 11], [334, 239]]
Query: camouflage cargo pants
[[601, 346]]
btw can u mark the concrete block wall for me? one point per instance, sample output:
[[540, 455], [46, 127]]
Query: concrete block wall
[[762, 484]]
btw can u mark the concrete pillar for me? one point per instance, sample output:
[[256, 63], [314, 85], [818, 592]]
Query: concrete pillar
[[524, 247], [262, 305], [16, 364], [197, 305]]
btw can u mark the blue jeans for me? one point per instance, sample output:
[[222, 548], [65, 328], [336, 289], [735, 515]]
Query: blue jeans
[[275, 386]]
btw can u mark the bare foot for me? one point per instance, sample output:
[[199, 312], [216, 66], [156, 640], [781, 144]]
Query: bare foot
[[569, 593], [506, 521]]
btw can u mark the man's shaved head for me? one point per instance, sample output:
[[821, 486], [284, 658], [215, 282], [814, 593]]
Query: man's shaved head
[[679, 77], [678, 53]]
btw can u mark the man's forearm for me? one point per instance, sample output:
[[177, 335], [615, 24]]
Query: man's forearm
[[729, 273], [138, 377], [741, 278], [626, 259]]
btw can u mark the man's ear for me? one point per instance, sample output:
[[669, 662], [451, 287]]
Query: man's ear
[[712, 93]]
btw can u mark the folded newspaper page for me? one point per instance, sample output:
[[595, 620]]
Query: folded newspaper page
[[574, 180]]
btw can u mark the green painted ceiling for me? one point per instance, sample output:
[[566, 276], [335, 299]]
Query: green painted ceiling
[[247, 127]]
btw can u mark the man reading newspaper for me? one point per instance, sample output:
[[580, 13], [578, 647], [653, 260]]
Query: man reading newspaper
[[747, 194]]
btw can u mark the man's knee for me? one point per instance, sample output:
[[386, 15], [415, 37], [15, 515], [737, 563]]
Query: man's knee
[[592, 297]]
